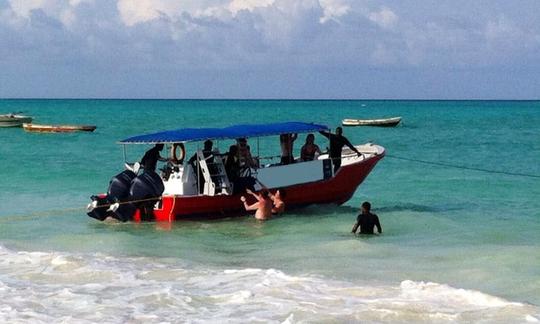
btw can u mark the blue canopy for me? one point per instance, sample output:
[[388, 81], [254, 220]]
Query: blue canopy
[[238, 131]]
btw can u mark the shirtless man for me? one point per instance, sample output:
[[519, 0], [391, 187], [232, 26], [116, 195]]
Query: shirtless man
[[263, 206], [286, 141], [277, 199]]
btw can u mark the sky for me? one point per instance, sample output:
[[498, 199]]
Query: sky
[[292, 49]]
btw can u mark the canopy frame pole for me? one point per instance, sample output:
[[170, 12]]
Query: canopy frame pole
[[198, 173]]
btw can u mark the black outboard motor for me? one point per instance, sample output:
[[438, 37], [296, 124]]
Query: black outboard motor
[[146, 186], [119, 186], [118, 192], [99, 213]]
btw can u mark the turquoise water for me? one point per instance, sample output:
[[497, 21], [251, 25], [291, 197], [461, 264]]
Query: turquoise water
[[457, 244]]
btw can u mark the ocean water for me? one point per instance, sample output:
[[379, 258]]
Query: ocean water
[[458, 245]]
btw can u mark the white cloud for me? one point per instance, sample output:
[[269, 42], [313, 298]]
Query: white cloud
[[63, 10], [333, 9], [250, 5], [385, 17]]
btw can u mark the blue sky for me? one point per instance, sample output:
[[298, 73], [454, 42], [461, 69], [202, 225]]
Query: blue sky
[[270, 49]]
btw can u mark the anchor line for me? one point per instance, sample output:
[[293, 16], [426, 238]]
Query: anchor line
[[464, 167]]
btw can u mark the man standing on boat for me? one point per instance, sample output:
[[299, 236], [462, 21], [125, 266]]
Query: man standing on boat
[[209, 158], [151, 157], [286, 141], [367, 221], [337, 141]]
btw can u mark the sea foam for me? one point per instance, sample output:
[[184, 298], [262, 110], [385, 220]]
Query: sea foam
[[83, 288]]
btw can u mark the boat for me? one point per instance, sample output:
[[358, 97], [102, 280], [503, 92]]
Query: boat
[[57, 128], [175, 194], [384, 122], [14, 120]]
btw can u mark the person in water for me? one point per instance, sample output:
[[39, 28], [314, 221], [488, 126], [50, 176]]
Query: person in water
[[286, 142], [309, 149], [367, 221], [277, 201], [263, 206], [151, 157], [337, 141]]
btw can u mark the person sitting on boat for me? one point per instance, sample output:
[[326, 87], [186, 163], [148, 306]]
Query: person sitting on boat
[[309, 149], [286, 142], [367, 221], [151, 157], [337, 141], [209, 158], [277, 200], [244, 154], [263, 206]]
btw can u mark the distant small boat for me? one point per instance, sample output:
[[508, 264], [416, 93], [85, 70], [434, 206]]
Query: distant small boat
[[14, 120], [57, 128], [385, 122]]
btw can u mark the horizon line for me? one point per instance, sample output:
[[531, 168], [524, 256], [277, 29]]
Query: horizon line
[[264, 99]]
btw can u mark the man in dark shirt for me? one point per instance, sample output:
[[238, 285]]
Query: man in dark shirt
[[208, 155], [367, 221], [337, 141], [151, 157]]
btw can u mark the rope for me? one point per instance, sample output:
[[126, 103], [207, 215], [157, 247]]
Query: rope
[[455, 166], [58, 212]]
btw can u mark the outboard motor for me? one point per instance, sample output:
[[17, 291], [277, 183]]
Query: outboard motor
[[118, 192], [119, 186], [99, 213], [145, 186]]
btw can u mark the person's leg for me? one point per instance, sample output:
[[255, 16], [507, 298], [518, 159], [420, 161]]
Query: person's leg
[[337, 164]]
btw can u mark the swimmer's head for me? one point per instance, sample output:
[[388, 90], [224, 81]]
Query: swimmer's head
[[264, 193], [366, 206], [339, 131]]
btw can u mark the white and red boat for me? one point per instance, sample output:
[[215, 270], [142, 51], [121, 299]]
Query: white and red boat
[[175, 194]]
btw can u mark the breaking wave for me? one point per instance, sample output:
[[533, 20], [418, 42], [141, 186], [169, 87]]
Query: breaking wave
[[62, 287]]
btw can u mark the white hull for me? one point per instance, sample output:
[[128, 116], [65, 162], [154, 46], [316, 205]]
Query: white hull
[[11, 120], [372, 122]]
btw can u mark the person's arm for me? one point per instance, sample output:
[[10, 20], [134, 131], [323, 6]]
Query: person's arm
[[255, 206], [249, 159], [325, 134], [303, 153], [317, 149], [252, 193], [355, 227], [351, 146], [378, 224], [192, 159]]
